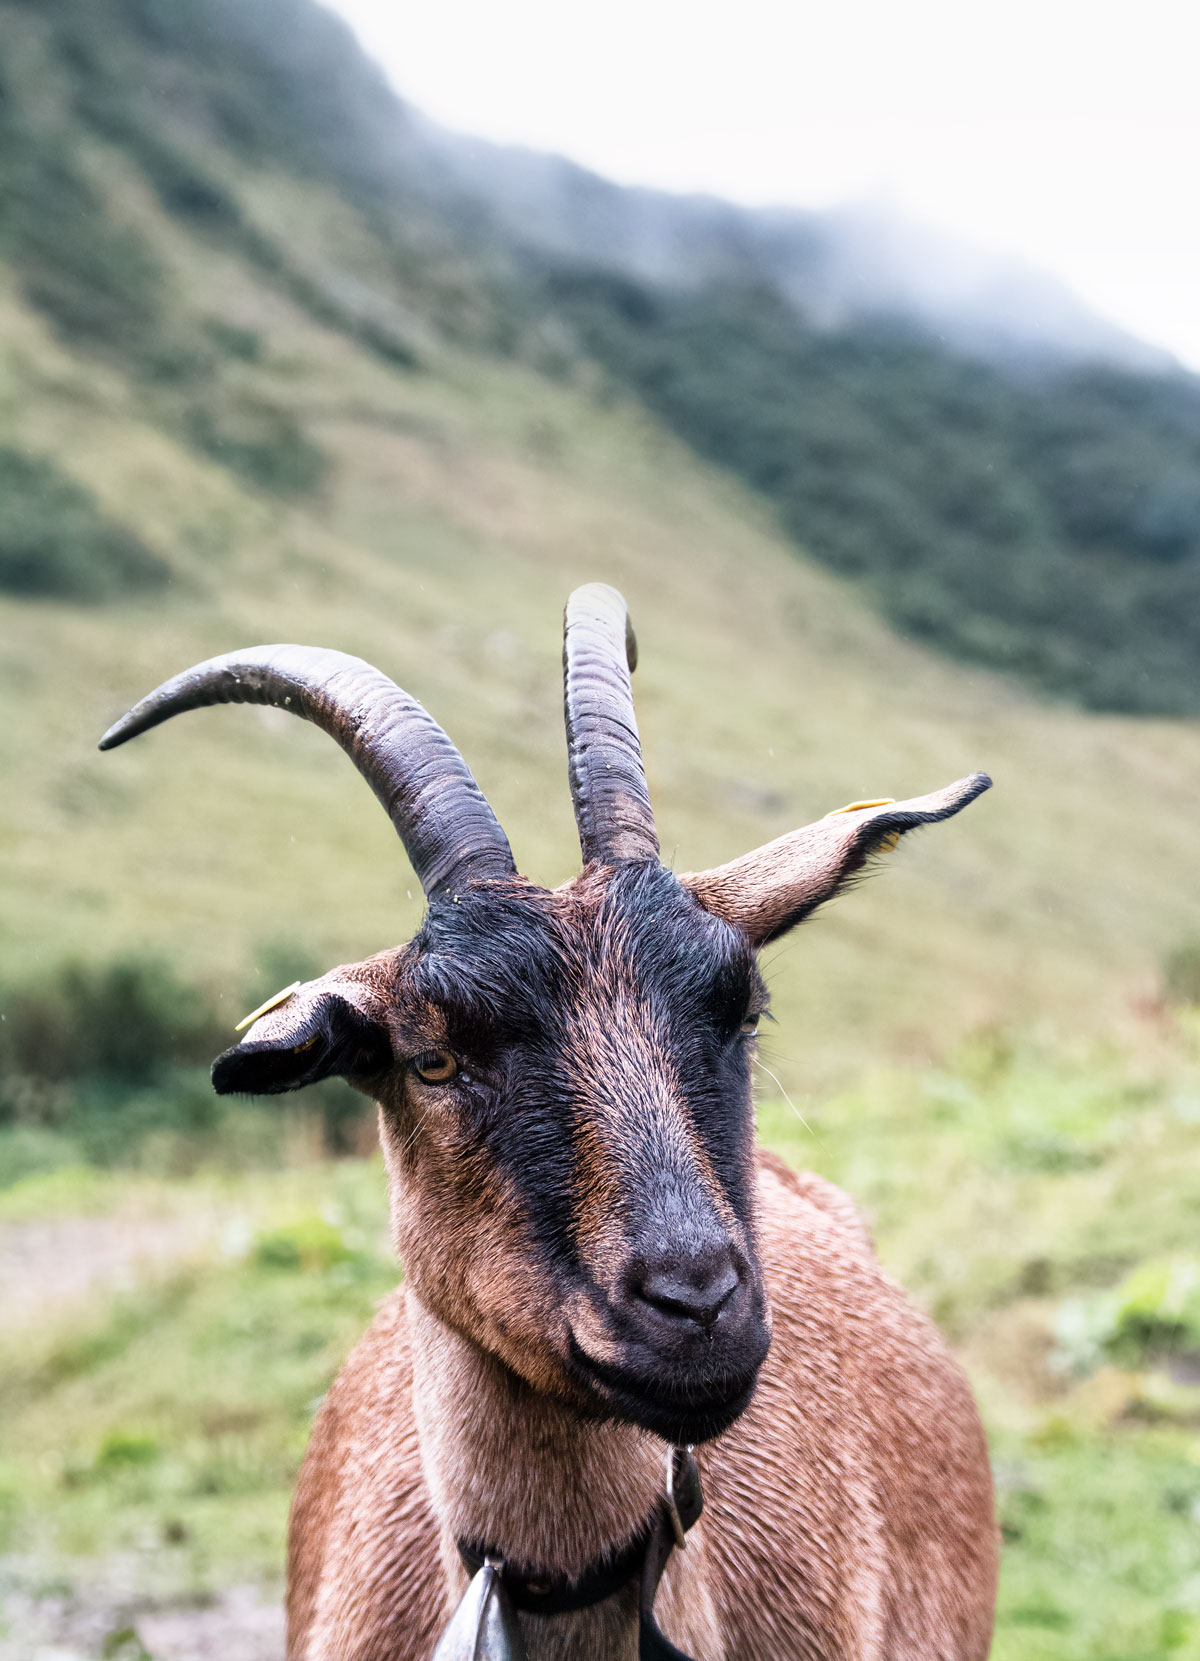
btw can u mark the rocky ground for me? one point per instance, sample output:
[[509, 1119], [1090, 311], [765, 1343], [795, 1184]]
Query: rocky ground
[[87, 1623]]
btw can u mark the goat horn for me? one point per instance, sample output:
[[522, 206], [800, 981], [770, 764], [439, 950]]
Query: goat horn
[[608, 781], [439, 812]]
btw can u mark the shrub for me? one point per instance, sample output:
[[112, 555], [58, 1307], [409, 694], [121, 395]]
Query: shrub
[[262, 444], [309, 1245], [109, 1064], [182, 186], [1181, 973], [122, 1022], [57, 542], [232, 341], [1152, 1315], [184, 189]]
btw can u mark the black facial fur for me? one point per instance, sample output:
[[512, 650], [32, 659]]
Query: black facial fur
[[526, 984], [512, 976]]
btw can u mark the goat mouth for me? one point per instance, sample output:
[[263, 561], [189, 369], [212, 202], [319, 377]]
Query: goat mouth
[[680, 1409]]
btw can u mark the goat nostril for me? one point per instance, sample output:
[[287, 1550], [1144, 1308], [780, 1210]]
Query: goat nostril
[[690, 1291]]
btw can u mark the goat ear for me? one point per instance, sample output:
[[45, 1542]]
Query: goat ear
[[313, 1032], [769, 891]]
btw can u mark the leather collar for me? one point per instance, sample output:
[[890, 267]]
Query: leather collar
[[539, 1594], [644, 1560]]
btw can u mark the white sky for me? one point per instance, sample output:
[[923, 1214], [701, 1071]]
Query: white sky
[[1065, 131]]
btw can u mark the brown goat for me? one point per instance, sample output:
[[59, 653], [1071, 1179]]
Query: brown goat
[[600, 1267]]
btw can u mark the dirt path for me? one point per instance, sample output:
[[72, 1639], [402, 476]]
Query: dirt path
[[51, 1263], [47, 1268], [240, 1626]]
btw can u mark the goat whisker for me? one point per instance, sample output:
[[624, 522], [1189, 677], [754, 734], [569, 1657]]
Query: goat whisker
[[788, 1100]]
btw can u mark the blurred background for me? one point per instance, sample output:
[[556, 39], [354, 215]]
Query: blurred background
[[857, 346]]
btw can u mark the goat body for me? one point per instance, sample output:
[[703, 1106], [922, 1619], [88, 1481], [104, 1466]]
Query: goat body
[[600, 1266]]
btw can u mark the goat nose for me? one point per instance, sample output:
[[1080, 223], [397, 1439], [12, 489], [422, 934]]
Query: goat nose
[[692, 1288]]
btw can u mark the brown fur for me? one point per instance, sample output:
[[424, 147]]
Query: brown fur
[[767, 891], [848, 1512]]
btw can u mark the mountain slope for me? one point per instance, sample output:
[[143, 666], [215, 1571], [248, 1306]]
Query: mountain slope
[[1046, 523], [1007, 477], [300, 479], [1049, 528]]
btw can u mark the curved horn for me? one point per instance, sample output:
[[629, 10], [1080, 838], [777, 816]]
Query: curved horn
[[608, 781], [439, 812]]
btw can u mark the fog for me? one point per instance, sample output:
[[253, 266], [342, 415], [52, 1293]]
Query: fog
[[1061, 133]]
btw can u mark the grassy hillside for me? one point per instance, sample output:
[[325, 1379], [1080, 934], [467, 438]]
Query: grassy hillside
[[254, 399], [1043, 523], [295, 482], [459, 508], [241, 461]]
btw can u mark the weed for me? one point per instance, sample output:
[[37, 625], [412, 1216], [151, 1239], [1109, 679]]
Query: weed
[[261, 443], [310, 1245], [123, 1449], [1152, 1315], [123, 1644], [109, 1063], [1181, 973]]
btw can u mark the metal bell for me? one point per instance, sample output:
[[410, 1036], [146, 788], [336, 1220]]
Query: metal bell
[[483, 1627]]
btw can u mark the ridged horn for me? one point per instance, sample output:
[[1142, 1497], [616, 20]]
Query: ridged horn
[[439, 812], [604, 755]]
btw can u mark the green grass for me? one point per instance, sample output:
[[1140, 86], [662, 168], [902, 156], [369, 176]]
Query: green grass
[[165, 1423], [1010, 1188], [168, 1421]]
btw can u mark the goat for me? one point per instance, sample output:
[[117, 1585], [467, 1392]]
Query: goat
[[601, 1270]]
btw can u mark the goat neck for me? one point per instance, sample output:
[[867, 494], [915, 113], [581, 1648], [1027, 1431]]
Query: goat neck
[[564, 1491]]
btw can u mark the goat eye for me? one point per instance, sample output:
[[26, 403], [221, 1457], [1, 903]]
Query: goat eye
[[434, 1066]]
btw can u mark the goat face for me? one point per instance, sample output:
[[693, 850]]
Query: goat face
[[563, 1078], [565, 1108], [570, 1142]]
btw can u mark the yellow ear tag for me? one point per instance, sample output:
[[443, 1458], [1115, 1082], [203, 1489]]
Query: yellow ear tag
[[271, 1003], [854, 807], [890, 842]]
